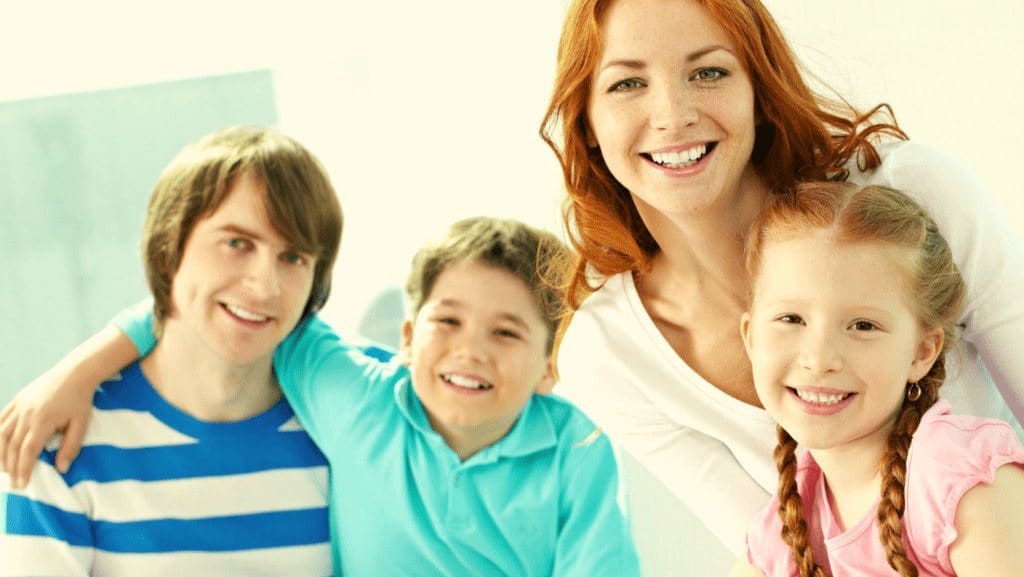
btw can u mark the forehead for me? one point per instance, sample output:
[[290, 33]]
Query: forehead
[[640, 26], [816, 268], [484, 288], [244, 206]]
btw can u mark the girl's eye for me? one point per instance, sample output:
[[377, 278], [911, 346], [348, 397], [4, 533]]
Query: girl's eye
[[709, 74], [791, 319], [624, 85], [864, 326]]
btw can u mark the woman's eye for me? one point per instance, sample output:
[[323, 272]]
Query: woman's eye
[[707, 74], [237, 243], [624, 85], [864, 326]]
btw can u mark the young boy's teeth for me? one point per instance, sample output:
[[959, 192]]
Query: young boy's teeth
[[680, 158], [821, 399], [244, 314], [467, 383]]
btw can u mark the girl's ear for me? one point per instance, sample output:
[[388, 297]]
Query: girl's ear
[[404, 355], [927, 351]]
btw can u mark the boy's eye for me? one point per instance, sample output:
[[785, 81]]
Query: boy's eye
[[506, 333], [864, 326], [447, 321], [791, 319], [238, 243], [709, 74], [293, 258], [624, 85]]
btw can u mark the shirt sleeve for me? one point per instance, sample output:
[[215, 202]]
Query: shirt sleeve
[[987, 253], [47, 531], [323, 377], [949, 456], [594, 537]]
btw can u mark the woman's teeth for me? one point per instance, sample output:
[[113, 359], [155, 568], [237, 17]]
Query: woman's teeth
[[466, 382], [680, 158], [820, 398]]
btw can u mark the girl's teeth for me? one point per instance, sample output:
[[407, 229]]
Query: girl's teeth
[[244, 314], [821, 399], [467, 383], [680, 158]]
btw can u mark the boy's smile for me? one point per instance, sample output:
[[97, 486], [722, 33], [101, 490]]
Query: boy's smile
[[240, 287], [477, 352]]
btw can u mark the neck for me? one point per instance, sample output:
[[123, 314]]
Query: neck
[[852, 473], [197, 381], [706, 248], [468, 441]]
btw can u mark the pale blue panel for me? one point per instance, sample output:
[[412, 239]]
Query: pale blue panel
[[75, 174]]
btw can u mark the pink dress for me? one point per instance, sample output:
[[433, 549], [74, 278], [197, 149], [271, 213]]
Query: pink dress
[[950, 454]]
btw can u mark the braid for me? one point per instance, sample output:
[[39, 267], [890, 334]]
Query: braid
[[894, 469], [794, 528]]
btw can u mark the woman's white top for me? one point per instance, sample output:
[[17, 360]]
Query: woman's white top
[[713, 451]]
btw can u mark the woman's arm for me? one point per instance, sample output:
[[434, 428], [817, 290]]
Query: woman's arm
[[990, 527], [60, 401]]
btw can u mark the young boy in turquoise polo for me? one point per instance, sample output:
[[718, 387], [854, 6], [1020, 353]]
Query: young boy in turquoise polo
[[452, 459]]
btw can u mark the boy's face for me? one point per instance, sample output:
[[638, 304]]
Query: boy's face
[[240, 287], [477, 351]]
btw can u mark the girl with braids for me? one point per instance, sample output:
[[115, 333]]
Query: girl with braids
[[675, 122], [855, 299]]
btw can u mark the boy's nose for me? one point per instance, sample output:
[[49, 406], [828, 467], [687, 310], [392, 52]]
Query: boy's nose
[[263, 279]]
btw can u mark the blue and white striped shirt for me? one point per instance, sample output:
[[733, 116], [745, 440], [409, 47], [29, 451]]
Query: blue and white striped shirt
[[158, 492]]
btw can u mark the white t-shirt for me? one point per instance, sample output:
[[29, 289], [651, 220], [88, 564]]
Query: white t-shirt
[[713, 451]]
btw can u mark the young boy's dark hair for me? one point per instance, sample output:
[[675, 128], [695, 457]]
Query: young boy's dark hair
[[527, 252]]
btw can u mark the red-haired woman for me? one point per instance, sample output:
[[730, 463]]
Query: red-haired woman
[[674, 121]]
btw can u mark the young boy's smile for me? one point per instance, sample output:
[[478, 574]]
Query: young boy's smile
[[477, 351], [240, 288]]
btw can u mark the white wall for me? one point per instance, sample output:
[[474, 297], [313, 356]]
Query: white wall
[[425, 112], [428, 111]]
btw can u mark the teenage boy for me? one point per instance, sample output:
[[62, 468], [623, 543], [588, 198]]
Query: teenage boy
[[193, 463]]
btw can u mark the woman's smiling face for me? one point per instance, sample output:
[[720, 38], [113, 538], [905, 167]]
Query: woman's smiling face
[[671, 106]]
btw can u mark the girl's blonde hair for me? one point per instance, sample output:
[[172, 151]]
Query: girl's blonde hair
[[859, 214]]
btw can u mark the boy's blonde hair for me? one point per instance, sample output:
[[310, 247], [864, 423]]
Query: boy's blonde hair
[[859, 214], [527, 252], [300, 203]]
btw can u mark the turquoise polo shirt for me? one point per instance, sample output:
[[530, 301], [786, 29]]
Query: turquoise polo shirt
[[541, 501]]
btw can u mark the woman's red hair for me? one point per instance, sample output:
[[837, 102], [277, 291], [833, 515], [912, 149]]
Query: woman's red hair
[[803, 136]]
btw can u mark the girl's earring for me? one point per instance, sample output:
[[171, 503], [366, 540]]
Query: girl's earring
[[913, 392]]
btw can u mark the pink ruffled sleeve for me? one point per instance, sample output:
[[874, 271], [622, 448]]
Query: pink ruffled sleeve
[[950, 455]]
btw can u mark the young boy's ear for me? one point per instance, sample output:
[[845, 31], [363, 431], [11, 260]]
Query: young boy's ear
[[547, 382], [404, 355], [927, 351], [745, 331]]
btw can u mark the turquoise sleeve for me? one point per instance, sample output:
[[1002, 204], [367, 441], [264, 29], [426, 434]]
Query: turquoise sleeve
[[324, 378], [595, 538], [137, 323]]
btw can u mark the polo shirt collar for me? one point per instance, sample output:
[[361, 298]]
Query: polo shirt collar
[[532, 432]]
